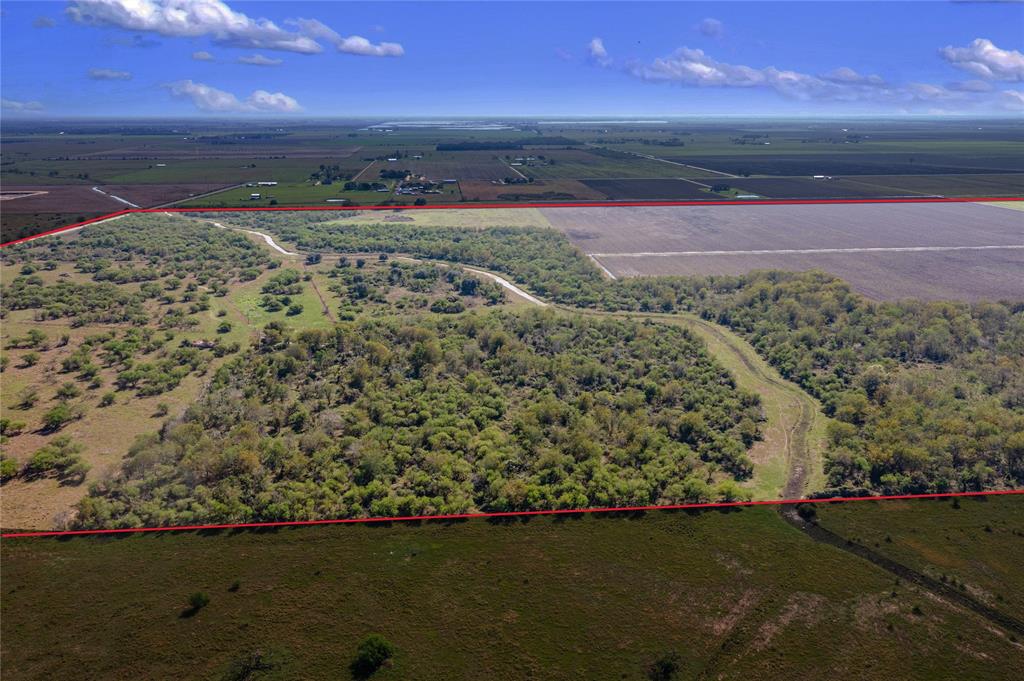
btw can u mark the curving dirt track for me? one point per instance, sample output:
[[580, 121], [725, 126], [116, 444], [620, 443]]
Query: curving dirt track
[[788, 461], [790, 456]]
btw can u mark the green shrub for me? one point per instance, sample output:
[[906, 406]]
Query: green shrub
[[68, 391], [665, 668], [8, 469], [61, 456], [371, 655], [198, 600], [9, 427], [59, 416]]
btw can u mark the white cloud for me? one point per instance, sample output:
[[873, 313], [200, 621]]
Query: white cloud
[[43, 22], [109, 74], [210, 99], [712, 28], [926, 92], [982, 58], [259, 60], [261, 100], [844, 74], [597, 52], [191, 18], [359, 45], [695, 68], [351, 45], [970, 86], [16, 105], [1012, 100], [202, 55]]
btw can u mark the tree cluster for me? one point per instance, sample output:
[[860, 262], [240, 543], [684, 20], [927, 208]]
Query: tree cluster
[[495, 411]]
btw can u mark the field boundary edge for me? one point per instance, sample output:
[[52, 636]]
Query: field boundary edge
[[488, 206], [503, 514]]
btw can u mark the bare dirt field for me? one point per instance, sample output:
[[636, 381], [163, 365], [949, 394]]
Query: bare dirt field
[[147, 195], [66, 198], [757, 227], [665, 188], [886, 251], [927, 275], [808, 188]]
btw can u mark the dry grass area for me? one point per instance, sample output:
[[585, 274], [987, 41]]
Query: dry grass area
[[471, 218], [1012, 205], [105, 432]]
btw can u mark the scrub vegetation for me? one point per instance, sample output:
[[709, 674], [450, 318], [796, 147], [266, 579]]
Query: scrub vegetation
[[929, 396], [495, 412], [381, 381]]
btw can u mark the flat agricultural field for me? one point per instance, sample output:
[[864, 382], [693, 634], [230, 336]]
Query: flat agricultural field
[[651, 189], [1005, 184], [29, 199], [960, 251], [602, 163], [809, 188], [882, 186], [541, 190], [731, 595], [148, 195], [31, 209], [841, 160], [946, 275], [438, 166]]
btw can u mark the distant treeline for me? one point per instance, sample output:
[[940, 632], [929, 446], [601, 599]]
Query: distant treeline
[[514, 144]]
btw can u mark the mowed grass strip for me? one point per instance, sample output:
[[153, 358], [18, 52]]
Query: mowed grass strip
[[734, 594]]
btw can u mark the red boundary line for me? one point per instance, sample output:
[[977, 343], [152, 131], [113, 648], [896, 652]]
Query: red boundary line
[[472, 206], [505, 514], [502, 514]]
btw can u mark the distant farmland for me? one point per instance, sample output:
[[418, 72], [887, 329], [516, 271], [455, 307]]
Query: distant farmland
[[651, 189], [602, 164], [942, 275], [541, 190], [886, 251], [442, 166], [808, 188], [849, 163], [874, 186]]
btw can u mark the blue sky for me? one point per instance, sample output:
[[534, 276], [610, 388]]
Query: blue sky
[[216, 58]]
